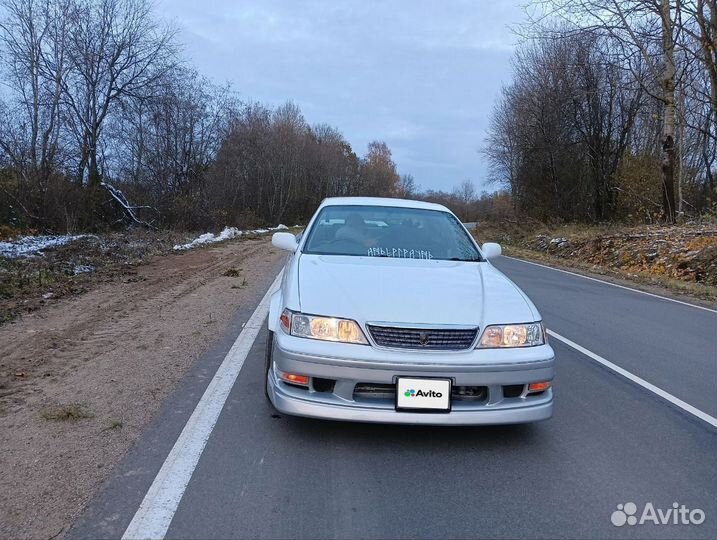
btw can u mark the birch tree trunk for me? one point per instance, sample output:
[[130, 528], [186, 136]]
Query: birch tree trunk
[[668, 124]]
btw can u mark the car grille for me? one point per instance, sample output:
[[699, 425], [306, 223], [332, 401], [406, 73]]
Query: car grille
[[436, 339], [375, 391], [366, 390]]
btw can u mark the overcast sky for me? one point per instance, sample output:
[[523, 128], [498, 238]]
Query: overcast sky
[[420, 75]]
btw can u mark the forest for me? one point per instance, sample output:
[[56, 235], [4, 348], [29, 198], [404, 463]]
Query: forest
[[103, 124], [612, 112], [610, 116]]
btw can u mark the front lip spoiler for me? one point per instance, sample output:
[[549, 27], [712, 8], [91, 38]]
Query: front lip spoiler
[[310, 409]]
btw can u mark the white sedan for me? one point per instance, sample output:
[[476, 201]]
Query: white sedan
[[389, 311]]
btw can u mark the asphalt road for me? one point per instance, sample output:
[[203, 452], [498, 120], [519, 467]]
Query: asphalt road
[[610, 442]]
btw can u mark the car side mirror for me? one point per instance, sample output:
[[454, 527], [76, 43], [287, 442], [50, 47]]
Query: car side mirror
[[491, 250], [284, 240]]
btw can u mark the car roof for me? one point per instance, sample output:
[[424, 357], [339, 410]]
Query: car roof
[[381, 201]]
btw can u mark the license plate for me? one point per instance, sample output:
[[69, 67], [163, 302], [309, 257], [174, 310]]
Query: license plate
[[423, 394]]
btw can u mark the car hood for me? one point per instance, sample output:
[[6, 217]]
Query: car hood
[[410, 291]]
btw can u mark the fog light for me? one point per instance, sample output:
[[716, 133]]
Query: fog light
[[534, 388], [293, 378]]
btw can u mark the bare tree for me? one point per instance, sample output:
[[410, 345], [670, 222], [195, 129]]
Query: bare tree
[[465, 191], [165, 141], [406, 187], [34, 39], [502, 147], [98, 98], [560, 134], [646, 33], [117, 50], [700, 23], [699, 26]]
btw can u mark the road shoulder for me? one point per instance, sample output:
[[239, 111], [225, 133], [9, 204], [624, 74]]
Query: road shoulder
[[673, 289], [98, 368]]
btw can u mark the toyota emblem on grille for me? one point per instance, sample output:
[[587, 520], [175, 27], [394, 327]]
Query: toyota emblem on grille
[[423, 338]]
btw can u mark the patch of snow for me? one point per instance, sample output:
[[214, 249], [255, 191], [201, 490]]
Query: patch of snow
[[227, 234], [83, 269], [48, 295], [25, 246]]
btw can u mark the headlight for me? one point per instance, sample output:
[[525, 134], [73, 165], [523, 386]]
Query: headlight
[[324, 328], [513, 335]]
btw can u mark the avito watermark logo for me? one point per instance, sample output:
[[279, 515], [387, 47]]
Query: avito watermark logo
[[677, 514], [422, 393]]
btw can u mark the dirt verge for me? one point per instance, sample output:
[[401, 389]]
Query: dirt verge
[[694, 293], [79, 379], [677, 261], [32, 282]]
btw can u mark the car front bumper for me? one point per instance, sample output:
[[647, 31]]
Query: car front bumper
[[346, 366]]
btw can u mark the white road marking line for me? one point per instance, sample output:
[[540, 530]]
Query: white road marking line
[[614, 284], [154, 515], [638, 380]]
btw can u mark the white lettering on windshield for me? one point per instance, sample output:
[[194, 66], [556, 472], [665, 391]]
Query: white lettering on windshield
[[399, 253]]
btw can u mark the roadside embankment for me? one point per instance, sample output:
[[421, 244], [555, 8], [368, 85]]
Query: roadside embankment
[[680, 258]]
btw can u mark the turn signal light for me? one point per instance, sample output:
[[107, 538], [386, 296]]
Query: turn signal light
[[285, 320], [293, 378], [534, 388]]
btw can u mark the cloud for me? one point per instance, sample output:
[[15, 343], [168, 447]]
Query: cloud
[[419, 74]]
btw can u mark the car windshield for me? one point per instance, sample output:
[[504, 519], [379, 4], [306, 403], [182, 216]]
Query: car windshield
[[387, 231]]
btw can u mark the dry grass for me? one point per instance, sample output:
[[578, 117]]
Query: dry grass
[[232, 272], [114, 424], [62, 413], [679, 259]]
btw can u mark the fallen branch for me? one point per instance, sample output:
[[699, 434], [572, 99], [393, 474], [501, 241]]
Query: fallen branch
[[17, 201], [637, 195], [659, 234], [118, 196]]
